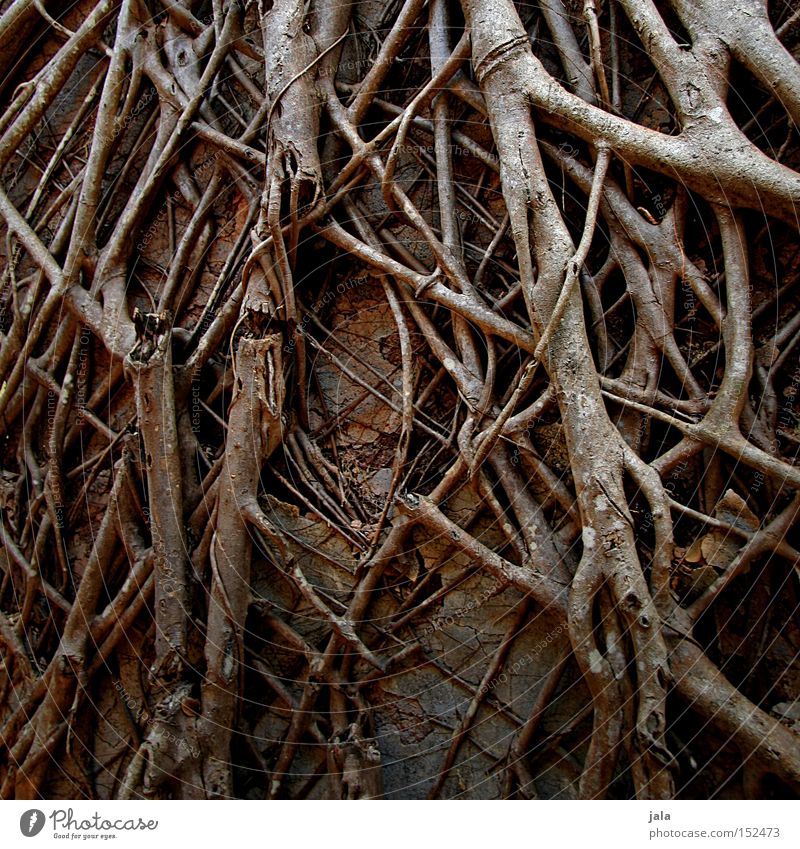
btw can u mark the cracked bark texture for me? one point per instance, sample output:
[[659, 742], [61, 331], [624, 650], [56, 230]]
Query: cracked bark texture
[[399, 399]]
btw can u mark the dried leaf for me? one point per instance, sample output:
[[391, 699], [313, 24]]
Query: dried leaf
[[694, 554], [719, 548], [733, 509]]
